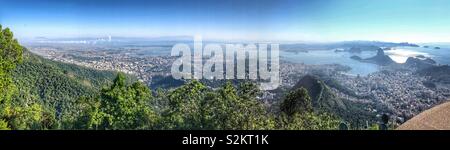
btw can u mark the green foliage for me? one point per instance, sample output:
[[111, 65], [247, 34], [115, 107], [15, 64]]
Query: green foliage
[[26, 117], [123, 106], [231, 109], [296, 101], [297, 114], [57, 87], [183, 107], [4, 125], [308, 121], [10, 56], [374, 127], [193, 106]]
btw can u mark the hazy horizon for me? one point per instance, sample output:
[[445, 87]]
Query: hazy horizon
[[191, 38]]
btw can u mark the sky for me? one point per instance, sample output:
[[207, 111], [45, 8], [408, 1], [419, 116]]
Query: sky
[[260, 20]]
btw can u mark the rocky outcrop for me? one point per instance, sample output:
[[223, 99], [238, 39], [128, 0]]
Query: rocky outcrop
[[436, 118], [379, 59]]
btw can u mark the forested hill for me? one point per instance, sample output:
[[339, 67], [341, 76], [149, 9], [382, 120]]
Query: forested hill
[[55, 85], [52, 81]]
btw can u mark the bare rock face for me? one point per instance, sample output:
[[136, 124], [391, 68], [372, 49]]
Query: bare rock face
[[436, 118]]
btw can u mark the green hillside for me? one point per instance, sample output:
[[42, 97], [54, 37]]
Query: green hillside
[[323, 99], [55, 86]]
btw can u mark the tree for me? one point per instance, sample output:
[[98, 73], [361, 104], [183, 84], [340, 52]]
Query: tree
[[183, 109], [193, 106], [308, 121], [123, 106], [222, 109], [297, 114], [229, 108], [29, 117], [296, 101], [10, 55]]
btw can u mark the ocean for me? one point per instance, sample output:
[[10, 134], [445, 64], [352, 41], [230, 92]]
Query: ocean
[[398, 54]]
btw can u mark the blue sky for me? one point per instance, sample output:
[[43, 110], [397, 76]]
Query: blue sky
[[273, 20]]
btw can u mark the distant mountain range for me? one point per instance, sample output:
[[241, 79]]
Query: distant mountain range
[[355, 45]]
